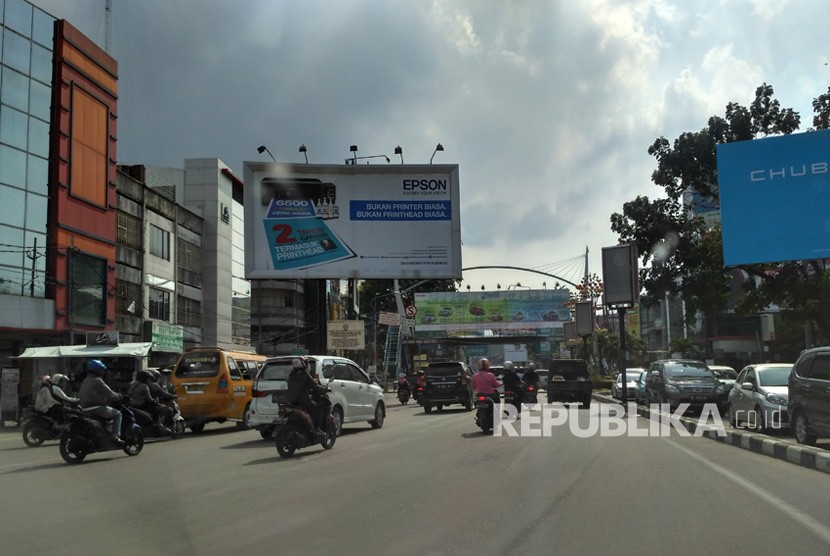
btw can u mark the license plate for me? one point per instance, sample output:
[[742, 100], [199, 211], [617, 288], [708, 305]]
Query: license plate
[[698, 398], [194, 389]]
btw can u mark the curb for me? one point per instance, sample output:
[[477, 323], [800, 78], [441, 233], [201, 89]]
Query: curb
[[784, 450]]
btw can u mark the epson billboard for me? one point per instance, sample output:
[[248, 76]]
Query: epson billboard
[[775, 198], [351, 221]]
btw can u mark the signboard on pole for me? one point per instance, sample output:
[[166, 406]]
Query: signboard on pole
[[389, 319], [346, 334], [620, 275]]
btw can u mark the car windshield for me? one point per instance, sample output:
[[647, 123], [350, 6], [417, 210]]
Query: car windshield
[[774, 376], [680, 371]]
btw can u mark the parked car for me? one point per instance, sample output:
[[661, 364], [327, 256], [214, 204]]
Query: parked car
[[677, 381], [759, 398], [727, 375], [570, 381], [447, 383], [354, 396], [809, 395], [631, 378], [640, 395]]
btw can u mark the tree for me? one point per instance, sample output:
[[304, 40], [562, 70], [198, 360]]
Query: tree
[[680, 254]]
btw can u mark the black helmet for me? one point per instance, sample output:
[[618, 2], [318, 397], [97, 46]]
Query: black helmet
[[154, 375], [299, 364], [96, 367], [142, 375]]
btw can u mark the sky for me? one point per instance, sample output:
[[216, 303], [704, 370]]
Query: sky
[[548, 107]]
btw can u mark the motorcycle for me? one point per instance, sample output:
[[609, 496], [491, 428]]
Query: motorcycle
[[530, 394], [88, 434], [485, 410], [297, 429], [39, 427], [511, 397], [403, 391], [147, 422], [418, 395], [176, 423]]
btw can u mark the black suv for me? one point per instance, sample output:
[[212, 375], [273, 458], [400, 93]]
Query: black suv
[[447, 383], [570, 381], [808, 396], [676, 381]]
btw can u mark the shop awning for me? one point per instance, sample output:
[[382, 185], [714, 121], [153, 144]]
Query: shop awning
[[137, 349]]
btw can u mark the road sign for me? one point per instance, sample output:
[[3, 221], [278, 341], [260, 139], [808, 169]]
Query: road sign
[[389, 319], [411, 311]]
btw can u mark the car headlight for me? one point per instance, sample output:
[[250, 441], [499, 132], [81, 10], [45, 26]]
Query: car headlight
[[672, 388], [777, 399], [721, 388]]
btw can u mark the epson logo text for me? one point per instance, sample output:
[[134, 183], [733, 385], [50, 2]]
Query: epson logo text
[[425, 185]]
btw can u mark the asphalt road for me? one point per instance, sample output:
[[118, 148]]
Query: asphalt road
[[423, 484]]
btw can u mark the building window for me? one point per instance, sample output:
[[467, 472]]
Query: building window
[[88, 292], [189, 312], [159, 304], [89, 147], [159, 242], [128, 232], [189, 256]]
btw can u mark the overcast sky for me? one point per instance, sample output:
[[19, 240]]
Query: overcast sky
[[548, 107]]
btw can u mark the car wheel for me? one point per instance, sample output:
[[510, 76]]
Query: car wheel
[[197, 427], [245, 423], [760, 425], [468, 405], [800, 425], [266, 432], [439, 407], [585, 404], [427, 408], [379, 415], [337, 415]]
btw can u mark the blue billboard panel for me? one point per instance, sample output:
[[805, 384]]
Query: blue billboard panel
[[775, 198]]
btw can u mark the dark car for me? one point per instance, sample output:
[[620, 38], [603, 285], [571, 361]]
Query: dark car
[[677, 381], [570, 381], [447, 383], [809, 395]]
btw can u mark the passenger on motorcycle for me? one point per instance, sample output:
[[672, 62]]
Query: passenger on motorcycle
[[531, 378], [94, 396], [512, 381], [166, 381], [484, 382], [51, 397], [142, 397], [302, 391]]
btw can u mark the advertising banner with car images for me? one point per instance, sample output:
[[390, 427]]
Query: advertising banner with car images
[[774, 198], [526, 310], [357, 220]]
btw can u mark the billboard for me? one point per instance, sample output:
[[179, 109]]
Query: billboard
[[525, 310], [355, 221], [775, 198], [620, 275]]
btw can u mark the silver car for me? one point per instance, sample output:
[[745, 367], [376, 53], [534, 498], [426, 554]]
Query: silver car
[[759, 397], [354, 396], [632, 376]]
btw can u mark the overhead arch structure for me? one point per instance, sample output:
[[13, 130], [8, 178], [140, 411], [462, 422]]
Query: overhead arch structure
[[522, 269]]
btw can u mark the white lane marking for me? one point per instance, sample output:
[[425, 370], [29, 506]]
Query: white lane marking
[[820, 530]]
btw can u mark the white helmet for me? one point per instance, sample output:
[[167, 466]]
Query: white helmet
[[508, 365]]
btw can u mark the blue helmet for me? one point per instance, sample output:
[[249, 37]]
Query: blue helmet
[[96, 366]]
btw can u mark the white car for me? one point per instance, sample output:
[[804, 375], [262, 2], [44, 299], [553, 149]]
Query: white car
[[354, 396], [632, 376]]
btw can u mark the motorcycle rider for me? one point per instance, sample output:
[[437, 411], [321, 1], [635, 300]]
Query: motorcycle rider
[[142, 398], [94, 397], [166, 381], [512, 382], [51, 397], [531, 378], [484, 382], [302, 389], [165, 409]]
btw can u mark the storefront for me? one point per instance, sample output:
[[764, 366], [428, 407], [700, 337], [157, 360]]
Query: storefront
[[122, 361]]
